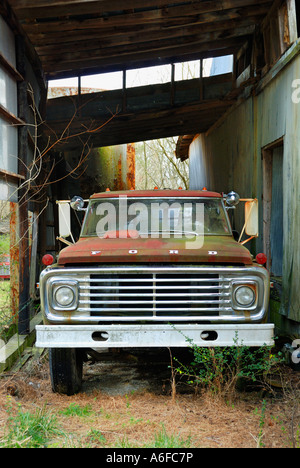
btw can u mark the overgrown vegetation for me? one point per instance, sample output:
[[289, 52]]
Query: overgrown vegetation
[[5, 312], [220, 370]]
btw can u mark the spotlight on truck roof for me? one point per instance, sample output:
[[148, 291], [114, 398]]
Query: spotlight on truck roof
[[232, 199]]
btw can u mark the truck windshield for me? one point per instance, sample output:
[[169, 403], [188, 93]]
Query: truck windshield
[[155, 217]]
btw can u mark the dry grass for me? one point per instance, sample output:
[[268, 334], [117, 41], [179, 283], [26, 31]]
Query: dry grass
[[132, 420]]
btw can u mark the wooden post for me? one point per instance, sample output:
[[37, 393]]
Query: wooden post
[[24, 300], [14, 261], [201, 80], [124, 105], [172, 84]]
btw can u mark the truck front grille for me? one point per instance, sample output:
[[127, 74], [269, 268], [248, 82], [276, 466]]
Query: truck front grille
[[155, 294]]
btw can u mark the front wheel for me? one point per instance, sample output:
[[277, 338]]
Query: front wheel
[[66, 370]]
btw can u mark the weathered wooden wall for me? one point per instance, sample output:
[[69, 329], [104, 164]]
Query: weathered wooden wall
[[21, 89], [229, 157]]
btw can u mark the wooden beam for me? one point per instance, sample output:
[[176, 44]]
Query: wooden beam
[[135, 54], [42, 8], [138, 126], [100, 42], [43, 31], [10, 68], [292, 19], [9, 117], [27, 10], [11, 176]]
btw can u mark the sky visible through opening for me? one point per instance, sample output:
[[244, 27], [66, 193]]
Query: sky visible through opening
[[147, 76]]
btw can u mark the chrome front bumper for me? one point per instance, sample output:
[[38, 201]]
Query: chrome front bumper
[[153, 336]]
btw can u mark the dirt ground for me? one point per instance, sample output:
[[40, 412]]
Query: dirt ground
[[128, 398]]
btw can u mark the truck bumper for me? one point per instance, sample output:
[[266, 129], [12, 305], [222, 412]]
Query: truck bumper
[[153, 336]]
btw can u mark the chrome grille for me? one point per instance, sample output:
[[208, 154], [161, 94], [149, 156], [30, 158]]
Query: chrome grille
[[155, 294], [147, 293]]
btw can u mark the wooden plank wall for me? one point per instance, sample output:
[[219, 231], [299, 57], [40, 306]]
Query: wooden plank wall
[[233, 153]]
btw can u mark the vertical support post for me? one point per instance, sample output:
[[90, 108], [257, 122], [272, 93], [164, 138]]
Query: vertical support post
[[79, 85], [292, 20], [79, 95], [14, 261], [24, 300], [172, 99], [201, 80], [124, 103]]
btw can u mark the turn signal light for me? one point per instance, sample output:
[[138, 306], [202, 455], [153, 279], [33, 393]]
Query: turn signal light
[[47, 259], [261, 258]]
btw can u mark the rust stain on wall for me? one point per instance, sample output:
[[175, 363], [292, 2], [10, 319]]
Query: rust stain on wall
[[118, 181], [131, 166]]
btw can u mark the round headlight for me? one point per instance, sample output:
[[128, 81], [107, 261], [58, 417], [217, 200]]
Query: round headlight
[[64, 296], [244, 296]]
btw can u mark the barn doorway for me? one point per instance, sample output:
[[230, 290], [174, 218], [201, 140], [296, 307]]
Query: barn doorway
[[273, 206]]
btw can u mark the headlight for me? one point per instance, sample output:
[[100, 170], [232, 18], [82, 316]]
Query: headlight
[[64, 296], [244, 296]]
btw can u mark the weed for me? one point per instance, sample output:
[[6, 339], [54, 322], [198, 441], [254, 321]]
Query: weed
[[161, 440], [127, 401], [96, 436], [164, 440], [29, 430], [77, 410], [261, 424]]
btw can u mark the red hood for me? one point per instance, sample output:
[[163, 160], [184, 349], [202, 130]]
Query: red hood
[[216, 249]]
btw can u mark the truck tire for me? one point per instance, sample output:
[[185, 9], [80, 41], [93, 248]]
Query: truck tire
[[66, 370]]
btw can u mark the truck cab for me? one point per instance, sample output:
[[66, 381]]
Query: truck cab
[[157, 268]]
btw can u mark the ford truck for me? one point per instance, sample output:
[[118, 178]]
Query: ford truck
[[158, 268]]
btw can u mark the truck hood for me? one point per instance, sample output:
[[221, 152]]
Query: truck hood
[[214, 249]]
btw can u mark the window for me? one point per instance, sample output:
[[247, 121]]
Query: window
[[218, 65], [63, 87], [148, 76], [101, 82], [187, 70]]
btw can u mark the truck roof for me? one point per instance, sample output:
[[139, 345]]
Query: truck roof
[[167, 193]]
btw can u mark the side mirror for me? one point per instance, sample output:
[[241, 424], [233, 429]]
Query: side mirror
[[64, 219], [77, 204], [232, 199], [251, 218]]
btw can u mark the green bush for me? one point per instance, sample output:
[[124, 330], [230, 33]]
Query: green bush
[[219, 369]]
